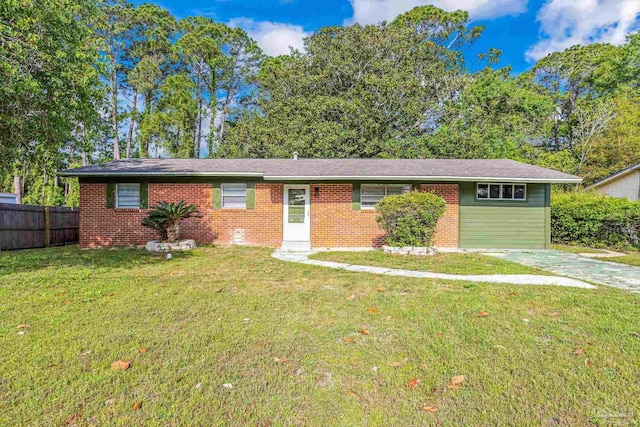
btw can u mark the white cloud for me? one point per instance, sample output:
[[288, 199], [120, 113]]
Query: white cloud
[[374, 11], [273, 37], [564, 23]]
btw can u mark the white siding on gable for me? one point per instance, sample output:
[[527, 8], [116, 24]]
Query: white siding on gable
[[626, 186], [10, 198]]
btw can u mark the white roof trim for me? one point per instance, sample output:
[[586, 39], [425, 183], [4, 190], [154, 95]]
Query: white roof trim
[[423, 178]]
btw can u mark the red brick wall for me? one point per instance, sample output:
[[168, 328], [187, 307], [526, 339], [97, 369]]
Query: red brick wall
[[447, 229], [334, 223], [100, 226]]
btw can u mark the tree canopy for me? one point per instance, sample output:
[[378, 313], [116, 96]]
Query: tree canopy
[[89, 81]]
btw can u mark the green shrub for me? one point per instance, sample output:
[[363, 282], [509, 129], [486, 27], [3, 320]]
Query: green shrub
[[410, 219], [592, 219]]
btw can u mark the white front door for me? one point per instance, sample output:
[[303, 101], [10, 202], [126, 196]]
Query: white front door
[[296, 216]]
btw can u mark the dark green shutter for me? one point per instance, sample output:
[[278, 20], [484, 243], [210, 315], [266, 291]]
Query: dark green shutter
[[217, 196], [111, 196], [251, 195], [144, 195], [355, 197]]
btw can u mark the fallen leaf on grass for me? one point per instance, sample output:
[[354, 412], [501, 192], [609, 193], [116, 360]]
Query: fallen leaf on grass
[[429, 408], [373, 310], [587, 363], [351, 297], [85, 353], [413, 383], [22, 326], [73, 418], [349, 339], [280, 359], [439, 334], [65, 302], [578, 351], [364, 332], [259, 344], [512, 294], [380, 290], [137, 405], [455, 382], [120, 365], [142, 350], [353, 392], [287, 291], [110, 401], [396, 364], [483, 314], [219, 290]]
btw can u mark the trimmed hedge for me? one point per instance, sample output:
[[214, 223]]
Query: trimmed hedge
[[410, 219], [592, 219]]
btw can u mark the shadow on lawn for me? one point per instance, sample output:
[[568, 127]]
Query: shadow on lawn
[[23, 261]]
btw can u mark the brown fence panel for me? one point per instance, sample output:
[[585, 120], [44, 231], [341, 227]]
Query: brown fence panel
[[29, 226]]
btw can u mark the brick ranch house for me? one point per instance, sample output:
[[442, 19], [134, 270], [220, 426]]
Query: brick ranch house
[[316, 203]]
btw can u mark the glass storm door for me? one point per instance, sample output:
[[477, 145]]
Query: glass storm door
[[297, 218]]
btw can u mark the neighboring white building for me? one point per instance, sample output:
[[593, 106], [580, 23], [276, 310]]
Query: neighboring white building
[[622, 184], [10, 198]]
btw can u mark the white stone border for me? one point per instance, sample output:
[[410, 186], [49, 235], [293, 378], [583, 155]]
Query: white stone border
[[302, 257], [180, 245], [410, 250]]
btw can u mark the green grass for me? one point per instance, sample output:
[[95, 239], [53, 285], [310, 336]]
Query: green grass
[[631, 258], [221, 315], [576, 249], [451, 263]]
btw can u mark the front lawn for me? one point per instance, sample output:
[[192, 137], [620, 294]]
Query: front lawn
[[231, 336], [451, 263]]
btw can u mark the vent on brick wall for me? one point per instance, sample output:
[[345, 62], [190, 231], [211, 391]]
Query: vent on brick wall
[[238, 236]]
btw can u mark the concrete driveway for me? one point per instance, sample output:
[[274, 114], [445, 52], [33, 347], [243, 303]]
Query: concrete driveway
[[613, 274]]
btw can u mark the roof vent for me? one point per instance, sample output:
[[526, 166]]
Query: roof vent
[[295, 155]]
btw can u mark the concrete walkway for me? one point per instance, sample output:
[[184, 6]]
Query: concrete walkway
[[302, 257], [621, 276]]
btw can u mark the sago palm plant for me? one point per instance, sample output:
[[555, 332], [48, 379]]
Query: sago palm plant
[[165, 218]]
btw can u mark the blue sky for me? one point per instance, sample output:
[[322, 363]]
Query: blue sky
[[525, 30]]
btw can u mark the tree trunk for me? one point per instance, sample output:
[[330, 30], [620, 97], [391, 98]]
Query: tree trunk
[[17, 188], [132, 122], [212, 136], [173, 232], [144, 141], [114, 110], [198, 136]]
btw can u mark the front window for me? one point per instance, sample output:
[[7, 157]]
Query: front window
[[501, 192], [128, 196], [234, 196], [370, 194]]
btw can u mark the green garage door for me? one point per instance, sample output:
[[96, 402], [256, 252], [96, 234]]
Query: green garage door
[[505, 223]]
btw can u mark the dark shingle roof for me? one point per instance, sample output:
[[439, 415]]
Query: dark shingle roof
[[330, 169]]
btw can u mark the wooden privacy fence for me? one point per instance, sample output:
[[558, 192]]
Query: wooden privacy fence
[[29, 226]]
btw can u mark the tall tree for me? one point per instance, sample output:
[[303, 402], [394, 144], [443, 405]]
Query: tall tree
[[113, 27], [355, 90], [153, 29]]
